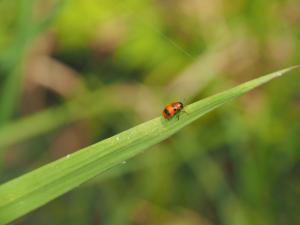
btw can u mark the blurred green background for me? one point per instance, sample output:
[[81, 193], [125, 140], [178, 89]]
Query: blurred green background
[[75, 72]]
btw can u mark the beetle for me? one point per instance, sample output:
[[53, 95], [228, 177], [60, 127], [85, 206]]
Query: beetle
[[172, 109]]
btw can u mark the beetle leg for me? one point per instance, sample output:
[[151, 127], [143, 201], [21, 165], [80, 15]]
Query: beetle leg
[[184, 111]]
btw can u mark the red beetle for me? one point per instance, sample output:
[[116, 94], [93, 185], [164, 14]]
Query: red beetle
[[172, 109]]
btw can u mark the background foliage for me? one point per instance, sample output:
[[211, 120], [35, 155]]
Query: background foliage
[[75, 72]]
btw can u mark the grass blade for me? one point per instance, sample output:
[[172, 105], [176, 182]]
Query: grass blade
[[34, 189], [52, 118]]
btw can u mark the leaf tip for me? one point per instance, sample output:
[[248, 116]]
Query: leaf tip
[[284, 71]]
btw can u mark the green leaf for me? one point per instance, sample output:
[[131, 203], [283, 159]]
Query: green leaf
[[13, 59], [34, 189], [53, 118]]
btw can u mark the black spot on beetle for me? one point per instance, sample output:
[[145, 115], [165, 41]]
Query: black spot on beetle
[[167, 112]]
